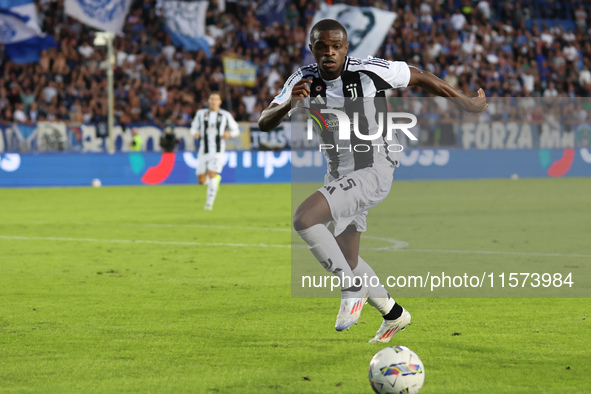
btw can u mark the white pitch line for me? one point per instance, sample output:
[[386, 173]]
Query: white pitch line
[[262, 245], [139, 241], [494, 252], [170, 225]]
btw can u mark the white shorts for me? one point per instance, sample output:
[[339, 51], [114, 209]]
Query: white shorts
[[351, 196], [210, 162]]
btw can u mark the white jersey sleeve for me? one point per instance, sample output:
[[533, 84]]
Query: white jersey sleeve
[[231, 125], [394, 74], [285, 94]]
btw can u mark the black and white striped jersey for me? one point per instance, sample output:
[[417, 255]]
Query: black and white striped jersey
[[355, 91], [211, 127]]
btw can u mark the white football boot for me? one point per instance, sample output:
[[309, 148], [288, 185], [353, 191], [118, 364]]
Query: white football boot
[[352, 302], [391, 327]]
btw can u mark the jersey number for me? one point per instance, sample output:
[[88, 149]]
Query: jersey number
[[350, 183]]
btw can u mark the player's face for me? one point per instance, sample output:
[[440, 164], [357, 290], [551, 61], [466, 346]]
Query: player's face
[[330, 49], [215, 102]]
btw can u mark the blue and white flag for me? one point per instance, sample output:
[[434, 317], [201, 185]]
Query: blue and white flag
[[105, 15], [366, 27], [271, 11], [185, 22], [14, 28], [20, 33]]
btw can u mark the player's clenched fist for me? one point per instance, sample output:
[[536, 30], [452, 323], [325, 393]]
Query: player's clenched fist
[[473, 104], [479, 103]]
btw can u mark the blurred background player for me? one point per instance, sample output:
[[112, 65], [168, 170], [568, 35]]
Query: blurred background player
[[213, 126], [168, 140]]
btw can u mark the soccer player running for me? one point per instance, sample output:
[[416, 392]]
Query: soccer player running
[[214, 126], [355, 182]]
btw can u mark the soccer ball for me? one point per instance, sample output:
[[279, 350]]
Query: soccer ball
[[396, 369], [96, 182]]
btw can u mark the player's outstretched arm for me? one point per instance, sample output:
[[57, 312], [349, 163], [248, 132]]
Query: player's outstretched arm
[[272, 116], [438, 87]]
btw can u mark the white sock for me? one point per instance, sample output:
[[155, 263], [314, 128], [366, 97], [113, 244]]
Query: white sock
[[378, 295], [212, 190], [324, 247]]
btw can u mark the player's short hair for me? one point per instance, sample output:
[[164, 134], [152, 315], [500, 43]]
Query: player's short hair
[[216, 92], [326, 25]]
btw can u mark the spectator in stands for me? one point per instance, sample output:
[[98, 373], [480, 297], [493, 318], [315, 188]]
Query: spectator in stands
[[249, 101], [581, 17], [33, 113], [19, 114], [458, 20]]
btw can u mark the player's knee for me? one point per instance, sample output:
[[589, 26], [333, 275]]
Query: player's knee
[[302, 220]]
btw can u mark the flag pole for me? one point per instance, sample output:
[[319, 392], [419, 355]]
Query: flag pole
[[110, 95], [101, 39]]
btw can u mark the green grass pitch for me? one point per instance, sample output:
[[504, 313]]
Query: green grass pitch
[[137, 289]]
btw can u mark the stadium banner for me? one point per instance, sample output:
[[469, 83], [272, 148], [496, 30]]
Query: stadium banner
[[239, 72], [433, 130], [57, 136], [243, 142], [271, 11], [29, 169], [20, 33], [185, 23], [106, 15], [277, 139], [366, 27]]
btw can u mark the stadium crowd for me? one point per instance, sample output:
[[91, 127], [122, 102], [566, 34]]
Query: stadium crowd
[[471, 44]]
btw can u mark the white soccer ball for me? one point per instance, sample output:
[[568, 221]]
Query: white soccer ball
[[396, 369], [96, 182]]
